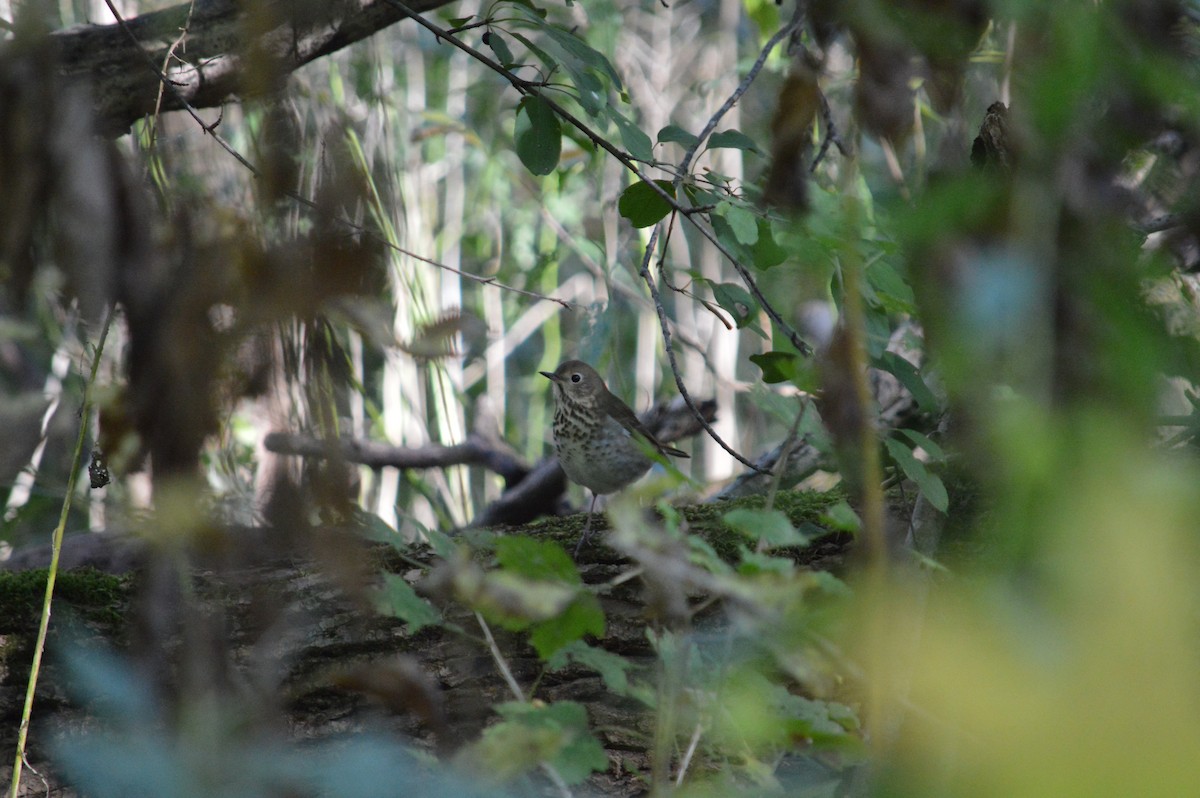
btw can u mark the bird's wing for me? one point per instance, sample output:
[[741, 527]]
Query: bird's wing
[[629, 420]]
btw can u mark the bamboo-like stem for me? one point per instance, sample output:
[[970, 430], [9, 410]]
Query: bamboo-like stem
[[55, 551]]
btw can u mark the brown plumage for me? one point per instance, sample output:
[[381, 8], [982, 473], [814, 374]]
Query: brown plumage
[[597, 436]]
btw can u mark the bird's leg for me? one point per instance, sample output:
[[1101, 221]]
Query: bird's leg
[[587, 527]]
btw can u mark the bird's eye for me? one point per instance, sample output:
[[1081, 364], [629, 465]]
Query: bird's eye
[[576, 377]]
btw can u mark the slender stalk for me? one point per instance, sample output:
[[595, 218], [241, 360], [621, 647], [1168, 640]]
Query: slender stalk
[[55, 551]]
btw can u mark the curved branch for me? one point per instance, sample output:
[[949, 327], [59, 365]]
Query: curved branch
[[226, 45]]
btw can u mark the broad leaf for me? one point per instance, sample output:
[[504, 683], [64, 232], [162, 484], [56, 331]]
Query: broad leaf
[[642, 205], [539, 135], [582, 616], [503, 54], [398, 599], [677, 135], [732, 139], [911, 379], [930, 484], [741, 221], [737, 302], [770, 526], [636, 142], [776, 366]]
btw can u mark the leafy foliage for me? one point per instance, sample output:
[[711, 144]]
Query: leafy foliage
[[827, 228]]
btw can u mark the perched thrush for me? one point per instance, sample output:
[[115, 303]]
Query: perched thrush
[[599, 440]]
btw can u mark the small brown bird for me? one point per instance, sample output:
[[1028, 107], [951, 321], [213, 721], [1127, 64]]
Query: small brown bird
[[596, 435]]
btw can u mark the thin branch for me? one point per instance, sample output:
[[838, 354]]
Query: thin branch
[[664, 325], [474, 451], [510, 680], [714, 120], [1157, 224], [688, 754], [831, 135]]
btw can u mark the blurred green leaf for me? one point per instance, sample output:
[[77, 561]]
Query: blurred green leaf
[[776, 366], [929, 483], [737, 302], [636, 142], [583, 616], [841, 516], [935, 452], [742, 222], [642, 205], [503, 54], [732, 139], [911, 379], [538, 135], [769, 526], [397, 598], [613, 668], [676, 134], [536, 559], [767, 251], [531, 734]]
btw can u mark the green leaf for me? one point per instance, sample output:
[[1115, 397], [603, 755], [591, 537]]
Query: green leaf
[[753, 562], [636, 142], [642, 205], [767, 251], [776, 366], [538, 135], [371, 527], [676, 134], [911, 379], [770, 526], [458, 22], [613, 668], [503, 54], [935, 452], [841, 516], [583, 616], [741, 221], [732, 139], [398, 599], [536, 559], [930, 484], [727, 236], [533, 733], [895, 295], [737, 302]]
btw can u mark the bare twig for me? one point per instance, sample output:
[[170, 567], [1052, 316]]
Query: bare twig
[[665, 326], [473, 451], [831, 135], [1157, 224], [519, 694], [714, 120]]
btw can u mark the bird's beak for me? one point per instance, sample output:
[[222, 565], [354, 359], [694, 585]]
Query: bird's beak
[[550, 376]]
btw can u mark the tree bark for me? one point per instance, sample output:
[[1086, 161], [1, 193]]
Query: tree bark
[[213, 51]]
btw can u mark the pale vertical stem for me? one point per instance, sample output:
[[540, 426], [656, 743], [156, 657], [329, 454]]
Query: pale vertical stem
[[497, 379], [52, 390], [452, 426], [649, 339], [403, 395], [724, 351], [358, 412]]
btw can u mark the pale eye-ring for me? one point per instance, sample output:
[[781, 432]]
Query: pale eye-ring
[[576, 377]]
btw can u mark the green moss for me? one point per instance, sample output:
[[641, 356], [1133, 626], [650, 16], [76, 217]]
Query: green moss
[[705, 519], [91, 594]]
